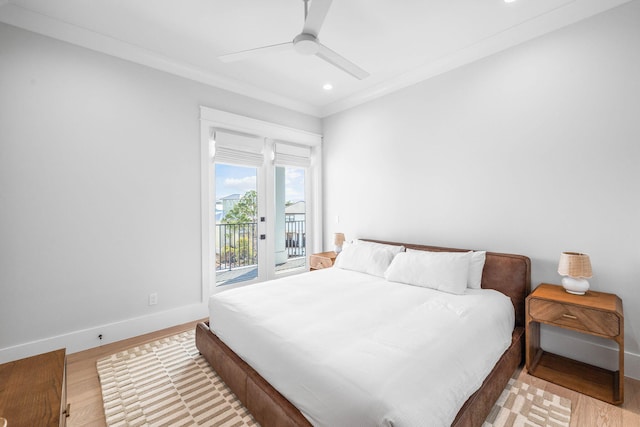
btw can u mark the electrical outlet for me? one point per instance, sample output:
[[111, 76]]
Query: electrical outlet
[[153, 298]]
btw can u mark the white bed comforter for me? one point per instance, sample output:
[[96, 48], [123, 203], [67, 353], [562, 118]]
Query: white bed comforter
[[350, 349]]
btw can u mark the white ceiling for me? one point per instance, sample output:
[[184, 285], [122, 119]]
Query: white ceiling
[[398, 42]]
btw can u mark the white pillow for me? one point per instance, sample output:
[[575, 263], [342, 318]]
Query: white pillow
[[476, 265], [370, 259], [444, 271], [396, 249]]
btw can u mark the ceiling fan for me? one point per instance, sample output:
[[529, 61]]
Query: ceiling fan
[[306, 43]]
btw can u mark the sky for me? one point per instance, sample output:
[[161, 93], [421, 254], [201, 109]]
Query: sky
[[239, 179]]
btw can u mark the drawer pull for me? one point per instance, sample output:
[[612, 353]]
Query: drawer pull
[[569, 316]]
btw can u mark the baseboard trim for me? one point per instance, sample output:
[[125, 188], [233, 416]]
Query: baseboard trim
[[595, 351], [84, 339]]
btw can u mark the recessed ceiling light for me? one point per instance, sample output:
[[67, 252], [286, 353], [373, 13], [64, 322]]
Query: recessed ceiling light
[[509, 1], [327, 86]]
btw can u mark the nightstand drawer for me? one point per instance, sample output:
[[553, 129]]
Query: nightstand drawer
[[580, 318]]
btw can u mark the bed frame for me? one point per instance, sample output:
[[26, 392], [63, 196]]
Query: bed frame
[[507, 273]]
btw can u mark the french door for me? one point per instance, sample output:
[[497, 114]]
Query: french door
[[237, 241], [260, 194], [290, 225], [260, 211], [242, 226]]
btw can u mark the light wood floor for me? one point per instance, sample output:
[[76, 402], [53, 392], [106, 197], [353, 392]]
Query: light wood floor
[[85, 396], [83, 386]]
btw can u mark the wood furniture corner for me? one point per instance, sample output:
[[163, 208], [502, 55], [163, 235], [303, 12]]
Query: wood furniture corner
[[595, 313], [33, 390]]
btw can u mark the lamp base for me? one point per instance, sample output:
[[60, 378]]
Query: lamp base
[[576, 286]]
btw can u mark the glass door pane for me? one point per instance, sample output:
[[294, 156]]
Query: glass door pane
[[236, 229], [290, 224]]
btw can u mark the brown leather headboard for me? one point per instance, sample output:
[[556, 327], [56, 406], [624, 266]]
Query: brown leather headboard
[[507, 273]]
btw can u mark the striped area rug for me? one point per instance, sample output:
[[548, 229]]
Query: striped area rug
[[168, 383], [523, 405]]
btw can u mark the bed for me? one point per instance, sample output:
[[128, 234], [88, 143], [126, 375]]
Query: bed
[[506, 273]]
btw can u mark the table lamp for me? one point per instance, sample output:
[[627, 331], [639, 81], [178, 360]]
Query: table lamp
[[576, 268], [338, 240]]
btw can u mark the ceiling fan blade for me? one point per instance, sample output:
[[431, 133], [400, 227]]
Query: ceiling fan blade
[[251, 53], [340, 62], [315, 17]]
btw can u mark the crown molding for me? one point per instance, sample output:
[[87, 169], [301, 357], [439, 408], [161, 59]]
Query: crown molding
[[570, 12], [555, 19], [20, 17]]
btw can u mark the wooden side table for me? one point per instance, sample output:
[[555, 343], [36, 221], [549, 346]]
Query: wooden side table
[[33, 391], [595, 313], [322, 260]]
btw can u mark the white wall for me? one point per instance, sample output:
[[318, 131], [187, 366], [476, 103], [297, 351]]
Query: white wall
[[99, 194], [535, 150]]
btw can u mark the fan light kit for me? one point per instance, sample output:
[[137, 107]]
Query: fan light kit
[[306, 43]]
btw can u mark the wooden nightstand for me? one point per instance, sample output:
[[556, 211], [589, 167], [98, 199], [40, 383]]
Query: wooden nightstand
[[322, 260], [595, 313]]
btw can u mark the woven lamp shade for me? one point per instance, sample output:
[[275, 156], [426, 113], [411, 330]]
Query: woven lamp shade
[[338, 239], [574, 264]]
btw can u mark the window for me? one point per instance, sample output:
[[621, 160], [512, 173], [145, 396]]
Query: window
[[260, 200]]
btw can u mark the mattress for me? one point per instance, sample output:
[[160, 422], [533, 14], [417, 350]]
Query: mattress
[[351, 349]]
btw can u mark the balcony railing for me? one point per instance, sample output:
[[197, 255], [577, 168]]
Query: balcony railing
[[237, 244], [295, 238]]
